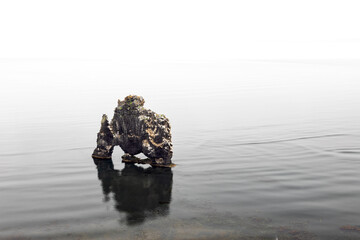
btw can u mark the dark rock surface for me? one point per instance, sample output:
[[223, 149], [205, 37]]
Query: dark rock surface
[[104, 141], [136, 130]]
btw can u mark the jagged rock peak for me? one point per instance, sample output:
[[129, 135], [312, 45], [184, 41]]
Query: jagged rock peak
[[131, 102]]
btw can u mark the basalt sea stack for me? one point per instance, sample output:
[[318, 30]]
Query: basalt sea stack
[[136, 130]]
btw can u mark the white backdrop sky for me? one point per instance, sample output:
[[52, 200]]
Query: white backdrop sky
[[180, 30]]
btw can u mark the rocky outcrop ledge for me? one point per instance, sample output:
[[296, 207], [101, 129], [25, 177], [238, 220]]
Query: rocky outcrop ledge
[[136, 130]]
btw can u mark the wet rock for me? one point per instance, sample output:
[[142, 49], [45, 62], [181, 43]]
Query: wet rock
[[136, 130], [104, 140]]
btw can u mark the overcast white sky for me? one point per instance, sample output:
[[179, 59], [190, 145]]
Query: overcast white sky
[[180, 30]]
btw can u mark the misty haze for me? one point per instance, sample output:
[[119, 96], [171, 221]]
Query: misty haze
[[262, 98]]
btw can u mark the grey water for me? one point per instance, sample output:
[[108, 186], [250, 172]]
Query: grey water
[[263, 150]]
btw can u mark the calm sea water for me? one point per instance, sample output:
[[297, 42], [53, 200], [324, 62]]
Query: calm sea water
[[264, 150]]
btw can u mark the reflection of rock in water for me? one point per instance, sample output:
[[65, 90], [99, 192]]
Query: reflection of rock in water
[[138, 192]]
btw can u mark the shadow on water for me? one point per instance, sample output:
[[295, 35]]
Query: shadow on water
[[141, 194]]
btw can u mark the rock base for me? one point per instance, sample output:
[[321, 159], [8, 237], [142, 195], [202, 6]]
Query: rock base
[[127, 158]]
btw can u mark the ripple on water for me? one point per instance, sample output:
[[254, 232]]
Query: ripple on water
[[256, 159]]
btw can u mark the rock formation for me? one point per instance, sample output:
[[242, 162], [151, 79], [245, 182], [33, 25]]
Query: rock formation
[[136, 130]]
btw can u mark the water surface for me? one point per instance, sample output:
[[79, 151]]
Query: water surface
[[264, 150]]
